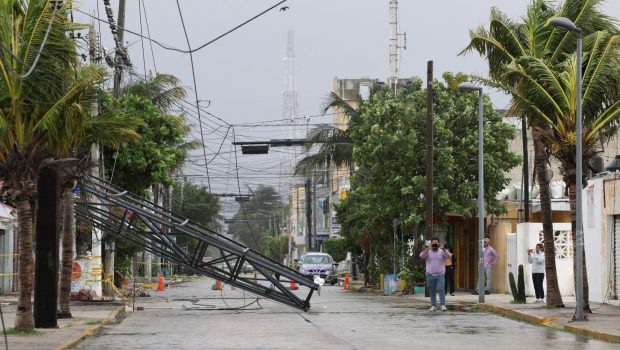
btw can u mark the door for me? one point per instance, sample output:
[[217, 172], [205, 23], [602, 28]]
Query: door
[[616, 252]]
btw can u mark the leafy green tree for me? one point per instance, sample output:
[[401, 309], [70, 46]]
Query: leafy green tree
[[162, 148], [389, 148], [41, 104], [197, 204], [502, 45]]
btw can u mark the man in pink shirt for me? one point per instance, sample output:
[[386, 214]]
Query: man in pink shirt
[[434, 256], [490, 259]]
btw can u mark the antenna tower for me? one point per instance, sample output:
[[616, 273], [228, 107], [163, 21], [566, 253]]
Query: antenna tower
[[395, 45], [289, 109]]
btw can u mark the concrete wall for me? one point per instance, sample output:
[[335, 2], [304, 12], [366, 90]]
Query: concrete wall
[[498, 233], [601, 202]]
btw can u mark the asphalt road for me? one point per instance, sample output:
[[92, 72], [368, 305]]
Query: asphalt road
[[337, 320]]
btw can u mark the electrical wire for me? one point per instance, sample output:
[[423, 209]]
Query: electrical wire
[[171, 48], [142, 39], [148, 32], [191, 58]]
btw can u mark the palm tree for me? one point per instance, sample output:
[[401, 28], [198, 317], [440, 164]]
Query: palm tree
[[336, 146], [550, 91], [39, 96], [502, 45], [109, 130]]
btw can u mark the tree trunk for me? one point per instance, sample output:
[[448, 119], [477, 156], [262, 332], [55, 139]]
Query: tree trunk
[[554, 298], [24, 319], [569, 179], [68, 234], [46, 250]]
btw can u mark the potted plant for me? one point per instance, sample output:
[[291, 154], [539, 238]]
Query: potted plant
[[419, 276]]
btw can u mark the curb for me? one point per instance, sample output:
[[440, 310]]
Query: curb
[[612, 338], [547, 322], [88, 331]]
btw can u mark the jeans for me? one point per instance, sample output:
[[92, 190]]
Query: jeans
[[436, 283], [488, 271], [450, 279], [538, 285]]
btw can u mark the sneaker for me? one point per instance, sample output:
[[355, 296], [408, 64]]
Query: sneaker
[[487, 292], [432, 308], [475, 292], [452, 294], [444, 308]]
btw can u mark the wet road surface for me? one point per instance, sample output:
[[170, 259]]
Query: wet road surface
[[189, 319]]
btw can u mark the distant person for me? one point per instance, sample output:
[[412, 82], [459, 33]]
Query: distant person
[[450, 264], [490, 258], [537, 259], [434, 255]]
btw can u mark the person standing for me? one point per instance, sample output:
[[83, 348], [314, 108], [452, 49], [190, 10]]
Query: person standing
[[537, 259], [450, 264], [434, 255], [490, 259]]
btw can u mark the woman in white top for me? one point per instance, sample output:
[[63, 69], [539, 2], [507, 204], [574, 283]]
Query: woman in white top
[[537, 259]]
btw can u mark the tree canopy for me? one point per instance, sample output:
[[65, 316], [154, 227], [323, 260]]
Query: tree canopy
[[389, 151]]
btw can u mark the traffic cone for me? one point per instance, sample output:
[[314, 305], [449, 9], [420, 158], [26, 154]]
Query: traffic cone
[[345, 285], [217, 285], [160, 284], [293, 286]]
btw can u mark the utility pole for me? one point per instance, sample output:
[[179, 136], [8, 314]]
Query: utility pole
[[526, 171], [429, 150], [118, 72], [95, 263], [110, 244], [309, 214]]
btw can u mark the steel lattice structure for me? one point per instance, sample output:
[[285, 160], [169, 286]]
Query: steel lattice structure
[[132, 218]]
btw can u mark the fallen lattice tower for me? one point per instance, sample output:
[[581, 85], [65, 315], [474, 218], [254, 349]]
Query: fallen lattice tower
[[127, 216]]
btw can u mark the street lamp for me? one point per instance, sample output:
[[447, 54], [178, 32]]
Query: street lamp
[[468, 88], [565, 23]]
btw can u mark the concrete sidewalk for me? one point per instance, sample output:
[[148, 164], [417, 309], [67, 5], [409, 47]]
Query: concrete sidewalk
[[88, 317], [603, 323]]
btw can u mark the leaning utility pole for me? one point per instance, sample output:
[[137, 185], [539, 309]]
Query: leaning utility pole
[[110, 244], [95, 262], [429, 150]]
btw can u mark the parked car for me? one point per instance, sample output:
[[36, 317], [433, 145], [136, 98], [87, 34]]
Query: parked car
[[319, 264], [247, 268]]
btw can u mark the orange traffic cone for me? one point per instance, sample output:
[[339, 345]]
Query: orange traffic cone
[[293, 286], [217, 285], [160, 284], [345, 285]]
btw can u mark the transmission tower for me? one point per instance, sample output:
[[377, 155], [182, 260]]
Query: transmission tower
[[289, 111], [395, 45]]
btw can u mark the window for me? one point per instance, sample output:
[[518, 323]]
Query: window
[[563, 243]]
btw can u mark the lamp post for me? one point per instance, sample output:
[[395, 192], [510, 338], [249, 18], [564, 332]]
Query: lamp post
[[567, 24], [470, 87]]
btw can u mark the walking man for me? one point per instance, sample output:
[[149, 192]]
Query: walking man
[[434, 255]]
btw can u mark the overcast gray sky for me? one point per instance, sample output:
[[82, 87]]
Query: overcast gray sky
[[243, 74]]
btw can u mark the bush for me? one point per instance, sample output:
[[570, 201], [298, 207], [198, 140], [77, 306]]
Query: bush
[[336, 247]]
